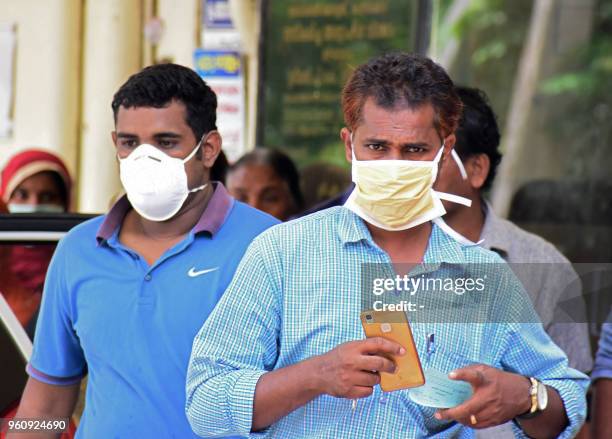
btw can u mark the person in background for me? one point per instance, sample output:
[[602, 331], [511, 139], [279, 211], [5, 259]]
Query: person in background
[[127, 291], [268, 180], [602, 384], [297, 362], [338, 200], [544, 271], [33, 181], [321, 181]]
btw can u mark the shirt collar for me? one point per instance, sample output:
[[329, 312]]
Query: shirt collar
[[441, 247], [352, 228], [213, 217], [494, 232]]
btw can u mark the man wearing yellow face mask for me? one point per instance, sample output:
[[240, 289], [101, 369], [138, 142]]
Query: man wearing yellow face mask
[[301, 363]]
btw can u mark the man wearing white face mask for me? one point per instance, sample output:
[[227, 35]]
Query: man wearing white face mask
[[303, 369], [126, 292]]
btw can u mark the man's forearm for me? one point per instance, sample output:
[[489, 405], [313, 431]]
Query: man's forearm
[[42, 400], [602, 407], [551, 422], [282, 391]]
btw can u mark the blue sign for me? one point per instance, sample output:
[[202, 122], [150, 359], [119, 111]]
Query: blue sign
[[217, 63], [217, 14]]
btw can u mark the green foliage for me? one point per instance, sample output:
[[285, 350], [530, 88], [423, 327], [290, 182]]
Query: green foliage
[[581, 100], [572, 110], [593, 75]]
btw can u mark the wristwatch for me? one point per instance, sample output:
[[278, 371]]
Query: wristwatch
[[539, 399]]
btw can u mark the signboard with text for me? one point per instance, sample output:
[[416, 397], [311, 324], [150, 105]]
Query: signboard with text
[[310, 48], [222, 71]]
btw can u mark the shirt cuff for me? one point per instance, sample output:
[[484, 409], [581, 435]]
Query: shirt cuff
[[55, 381], [603, 367], [242, 400], [601, 373], [573, 396]]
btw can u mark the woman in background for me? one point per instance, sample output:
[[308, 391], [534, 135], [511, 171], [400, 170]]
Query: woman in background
[[32, 181], [36, 181], [268, 180]]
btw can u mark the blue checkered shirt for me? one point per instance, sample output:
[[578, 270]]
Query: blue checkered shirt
[[297, 294]]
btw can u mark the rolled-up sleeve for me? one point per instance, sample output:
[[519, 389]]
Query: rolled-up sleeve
[[603, 361], [531, 352], [235, 347]]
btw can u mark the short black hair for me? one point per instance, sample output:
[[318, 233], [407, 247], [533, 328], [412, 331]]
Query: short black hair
[[402, 79], [281, 165], [478, 132], [158, 85]]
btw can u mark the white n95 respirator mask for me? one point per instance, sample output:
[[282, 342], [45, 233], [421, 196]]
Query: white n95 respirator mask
[[155, 183]]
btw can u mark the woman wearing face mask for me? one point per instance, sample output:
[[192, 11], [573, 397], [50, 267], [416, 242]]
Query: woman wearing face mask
[[33, 181]]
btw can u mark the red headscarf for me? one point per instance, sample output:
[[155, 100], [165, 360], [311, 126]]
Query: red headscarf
[[28, 264], [27, 163]]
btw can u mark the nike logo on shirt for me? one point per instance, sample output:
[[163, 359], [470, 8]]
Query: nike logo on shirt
[[193, 273]]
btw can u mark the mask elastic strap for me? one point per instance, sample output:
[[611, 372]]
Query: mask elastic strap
[[436, 162], [454, 198], [459, 164], [439, 154], [189, 157], [353, 148], [454, 234], [199, 188], [192, 153]]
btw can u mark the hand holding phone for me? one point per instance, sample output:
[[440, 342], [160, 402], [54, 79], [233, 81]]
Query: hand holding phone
[[393, 325], [351, 370]]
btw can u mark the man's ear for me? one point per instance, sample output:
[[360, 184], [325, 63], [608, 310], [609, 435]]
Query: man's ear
[[477, 168], [345, 135], [211, 147], [449, 144]]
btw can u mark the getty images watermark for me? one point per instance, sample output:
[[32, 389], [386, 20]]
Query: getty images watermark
[[411, 285], [562, 293]]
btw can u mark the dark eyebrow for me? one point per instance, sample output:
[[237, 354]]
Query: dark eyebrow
[[167, 134], [416, 145], [405, 145], [375, 141], [156, 135], [126, 135]]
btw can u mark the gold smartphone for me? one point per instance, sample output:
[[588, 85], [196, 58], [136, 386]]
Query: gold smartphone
[[393, 325]]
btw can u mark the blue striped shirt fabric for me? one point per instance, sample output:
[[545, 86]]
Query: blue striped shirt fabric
[[297, 293]]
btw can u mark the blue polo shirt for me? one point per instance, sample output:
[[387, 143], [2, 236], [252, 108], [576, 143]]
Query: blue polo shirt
[[130, 326]]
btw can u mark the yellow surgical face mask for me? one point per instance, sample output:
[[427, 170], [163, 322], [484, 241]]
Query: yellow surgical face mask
[[397, 194]]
